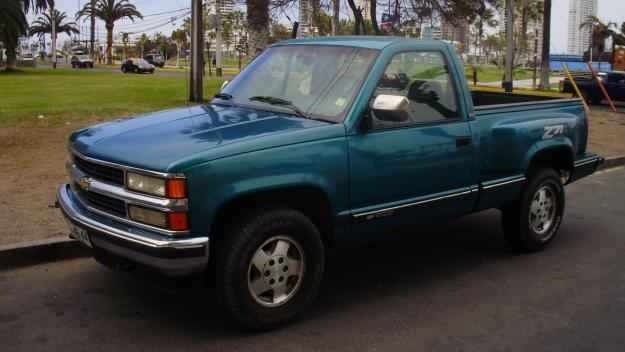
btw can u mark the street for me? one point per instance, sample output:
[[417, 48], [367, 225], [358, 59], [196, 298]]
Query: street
[[453, 286]]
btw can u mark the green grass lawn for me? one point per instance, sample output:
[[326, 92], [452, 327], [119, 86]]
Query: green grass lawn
[[495, 74], [67, 96]]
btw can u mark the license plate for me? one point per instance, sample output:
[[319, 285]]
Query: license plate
[[80, 234]]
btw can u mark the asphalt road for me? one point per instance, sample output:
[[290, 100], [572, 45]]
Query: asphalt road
[[454, 286]]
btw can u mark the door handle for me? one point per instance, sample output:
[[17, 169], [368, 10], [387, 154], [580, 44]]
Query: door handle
[[462, 142]]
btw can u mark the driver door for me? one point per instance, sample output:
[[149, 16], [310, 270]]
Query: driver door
[[405, 172]]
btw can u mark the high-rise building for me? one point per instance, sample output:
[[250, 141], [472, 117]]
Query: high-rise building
[[455, 32], [579, 38]]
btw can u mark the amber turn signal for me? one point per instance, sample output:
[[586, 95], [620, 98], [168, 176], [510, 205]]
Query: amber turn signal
[[178, 221], [176, 188]]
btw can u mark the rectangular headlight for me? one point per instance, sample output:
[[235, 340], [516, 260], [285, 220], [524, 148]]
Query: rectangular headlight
[[146, 184], [146, 216]]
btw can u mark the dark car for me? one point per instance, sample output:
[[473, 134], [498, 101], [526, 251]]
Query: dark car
[[137, 66], [155, 59], [613, 82], [81, 61]]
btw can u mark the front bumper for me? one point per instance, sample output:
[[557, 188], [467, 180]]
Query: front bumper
[[170, 256]]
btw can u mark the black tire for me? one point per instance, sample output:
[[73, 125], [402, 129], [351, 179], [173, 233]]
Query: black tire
[[595, 100], [234, 266], [124, 69], [73, 66], [517, 221], [136, 70]]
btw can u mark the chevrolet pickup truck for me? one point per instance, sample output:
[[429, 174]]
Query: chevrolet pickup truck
[[318, 143], [613, 82]]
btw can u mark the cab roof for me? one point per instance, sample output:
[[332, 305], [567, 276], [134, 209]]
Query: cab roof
[[368, 42]]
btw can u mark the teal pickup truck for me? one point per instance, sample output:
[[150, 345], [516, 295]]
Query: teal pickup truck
[[318, 143]]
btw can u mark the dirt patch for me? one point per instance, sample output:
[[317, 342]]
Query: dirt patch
[[33, 161]]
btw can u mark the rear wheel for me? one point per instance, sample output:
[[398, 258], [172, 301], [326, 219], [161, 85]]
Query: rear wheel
[[124, 69], [531, 223], [136, 70], [270, 267]]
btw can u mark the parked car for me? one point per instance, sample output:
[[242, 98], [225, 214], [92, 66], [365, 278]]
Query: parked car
[[155, 59], [613, 82], [310, 148], [81, 61], [26, 57], [137, 66]]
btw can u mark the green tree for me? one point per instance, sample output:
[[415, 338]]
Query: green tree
[[179, 36], [13, 23], [43, 25], [110, 11], [160, 41], [144, 44]]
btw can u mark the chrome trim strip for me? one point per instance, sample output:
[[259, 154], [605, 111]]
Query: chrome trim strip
[[594, 160], [75, 215], [126, 220], [126, 168], [162, 204], [389, 211], [504, 183]]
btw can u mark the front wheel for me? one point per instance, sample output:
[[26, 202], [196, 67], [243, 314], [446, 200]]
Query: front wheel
[[269, 267], [531, 223]]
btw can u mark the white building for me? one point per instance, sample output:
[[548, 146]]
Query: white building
[[579, 39]]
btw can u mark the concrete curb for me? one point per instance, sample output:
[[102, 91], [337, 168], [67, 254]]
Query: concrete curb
[[40, 251], [62, 248], [613, 161]]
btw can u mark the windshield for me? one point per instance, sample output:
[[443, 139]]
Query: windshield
[[157, 57], [319, 80], [142, 62], [83, 57]]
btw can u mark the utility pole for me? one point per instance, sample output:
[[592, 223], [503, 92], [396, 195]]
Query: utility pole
[[336, 8], [535, 58], [218, 38], [53, 34], [197, 57], [507, 82], [92, 47]]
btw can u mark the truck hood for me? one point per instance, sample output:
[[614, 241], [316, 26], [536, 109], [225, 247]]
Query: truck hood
[[156, 140]]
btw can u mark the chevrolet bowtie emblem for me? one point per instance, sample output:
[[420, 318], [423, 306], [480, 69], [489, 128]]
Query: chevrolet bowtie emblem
[[84, 183]]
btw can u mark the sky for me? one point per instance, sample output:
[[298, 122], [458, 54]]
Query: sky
[[156, 19]]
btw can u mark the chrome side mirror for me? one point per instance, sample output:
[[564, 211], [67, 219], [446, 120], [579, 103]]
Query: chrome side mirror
[[223, 85], [391, 108]]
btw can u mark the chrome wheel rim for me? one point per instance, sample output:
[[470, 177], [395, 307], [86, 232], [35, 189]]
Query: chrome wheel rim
[[542, 210], [276, 271]]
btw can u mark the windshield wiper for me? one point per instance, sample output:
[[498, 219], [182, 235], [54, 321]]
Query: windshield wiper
[[224, 96], [279, 102]]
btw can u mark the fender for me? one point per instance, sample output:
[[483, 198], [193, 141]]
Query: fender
[[544, 146]]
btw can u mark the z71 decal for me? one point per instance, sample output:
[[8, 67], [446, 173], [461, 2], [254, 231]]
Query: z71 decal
[[552, 131]]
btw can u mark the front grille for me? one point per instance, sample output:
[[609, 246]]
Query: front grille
[[103, 202], [101, 172]]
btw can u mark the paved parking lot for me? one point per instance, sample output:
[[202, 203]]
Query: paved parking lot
[[454, 286]]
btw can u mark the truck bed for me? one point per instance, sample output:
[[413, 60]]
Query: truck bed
[[487, 99]]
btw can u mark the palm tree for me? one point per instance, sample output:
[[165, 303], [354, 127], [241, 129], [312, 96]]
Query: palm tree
[[258, 25], [544, 57], [43, 25], [527, 10], [159, 42], [13, 23], [125, 40], [180, 37], [598, 29], [110, 11]]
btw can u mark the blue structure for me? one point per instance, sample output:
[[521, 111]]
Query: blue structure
[[575, 63]]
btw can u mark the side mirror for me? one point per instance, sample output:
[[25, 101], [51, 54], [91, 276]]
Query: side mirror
[[391, 108], [223, 85]]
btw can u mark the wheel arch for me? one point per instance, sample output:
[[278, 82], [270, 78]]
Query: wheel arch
[[556, 156], [308, 199]]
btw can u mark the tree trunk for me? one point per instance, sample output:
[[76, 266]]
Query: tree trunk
[[178, 54], [544, 59], [109, 43], [336, 8], [258, 23], [357, 16], [372, 14], [11, 45], [523, 36]]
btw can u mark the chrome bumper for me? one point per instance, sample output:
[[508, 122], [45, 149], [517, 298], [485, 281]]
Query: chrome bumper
[[169, 256]]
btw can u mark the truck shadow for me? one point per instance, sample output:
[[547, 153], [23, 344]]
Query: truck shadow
[[355, 277]]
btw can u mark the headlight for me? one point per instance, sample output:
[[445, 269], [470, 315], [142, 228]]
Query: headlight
[[146, 184], [175, 188]]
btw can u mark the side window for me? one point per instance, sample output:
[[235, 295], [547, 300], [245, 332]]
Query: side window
[[616, 78], [423, 78]]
